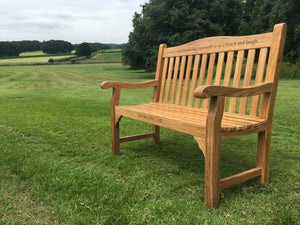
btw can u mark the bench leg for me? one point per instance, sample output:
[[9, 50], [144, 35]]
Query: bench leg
[[115, 137], [212, 153], [156, 137], [115, 120], [263, 155], [212, 174]]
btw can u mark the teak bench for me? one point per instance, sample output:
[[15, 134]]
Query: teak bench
[[201, 88]]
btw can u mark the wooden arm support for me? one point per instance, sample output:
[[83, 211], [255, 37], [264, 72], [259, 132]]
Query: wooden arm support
[[207, 91], [112, 84]]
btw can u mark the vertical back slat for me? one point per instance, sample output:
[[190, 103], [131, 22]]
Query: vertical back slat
[[201, 76], [236, 78], [194, 80], [258, 79], [163, 81], [175, 76], [228, 71], [159, 72], [247, 79], [179, 89], [210, 73], [187, 79], [170, 72], [219, 69]]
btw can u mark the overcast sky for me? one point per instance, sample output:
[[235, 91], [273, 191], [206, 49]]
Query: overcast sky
[[76, 21]]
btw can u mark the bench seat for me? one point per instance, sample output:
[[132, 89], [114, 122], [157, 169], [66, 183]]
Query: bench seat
[[190, 120]]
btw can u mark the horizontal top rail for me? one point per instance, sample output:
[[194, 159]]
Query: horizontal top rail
[[220, 44]]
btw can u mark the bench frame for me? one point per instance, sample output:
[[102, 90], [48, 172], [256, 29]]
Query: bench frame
[[209, 132]]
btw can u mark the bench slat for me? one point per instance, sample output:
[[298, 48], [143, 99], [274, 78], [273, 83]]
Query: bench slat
[[219, 68], [228, 71], [163, 81], [258, 79], [170, 73], [187, 80], [194, 80], [175, 77], [201, 76], [209, 76], [182, 71], [236, 78], [247, 79]]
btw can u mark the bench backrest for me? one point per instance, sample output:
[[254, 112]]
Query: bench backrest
[[227, 61]]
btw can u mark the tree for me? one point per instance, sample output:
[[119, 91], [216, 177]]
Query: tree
[[9, 49], [261, 15], [96, 46], [57, 46], [29, 46], [84, 49], [288, 11], [176, 22]]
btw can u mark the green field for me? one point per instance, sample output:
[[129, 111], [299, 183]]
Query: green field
[[34, 53], [56, 165], [108, 56], [40, 57], [37, 53], [31, 59]]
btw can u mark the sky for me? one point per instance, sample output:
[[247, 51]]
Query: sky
[[76, 21]]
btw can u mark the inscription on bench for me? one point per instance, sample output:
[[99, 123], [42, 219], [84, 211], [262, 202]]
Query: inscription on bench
[[218, 46]]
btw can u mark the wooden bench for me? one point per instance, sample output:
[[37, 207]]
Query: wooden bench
[[213, 89]]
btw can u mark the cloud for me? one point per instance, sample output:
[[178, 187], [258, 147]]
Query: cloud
[[74, 21]]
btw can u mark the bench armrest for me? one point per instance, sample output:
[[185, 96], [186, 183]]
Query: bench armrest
[[207, 91], [113, 84]]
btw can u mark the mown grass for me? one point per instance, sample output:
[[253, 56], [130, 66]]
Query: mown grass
[[114, 54], [56, 165]]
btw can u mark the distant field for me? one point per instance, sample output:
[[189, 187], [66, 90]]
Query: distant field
[[40, 57], [35, 53], [31, 59], [113, 50], [109, 56]]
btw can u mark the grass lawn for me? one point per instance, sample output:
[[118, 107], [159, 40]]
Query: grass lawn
[[111, 55], [56, 165]]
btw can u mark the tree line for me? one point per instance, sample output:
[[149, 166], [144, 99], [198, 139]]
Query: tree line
[[14, 48], [176, 22]]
